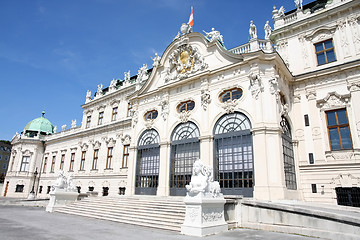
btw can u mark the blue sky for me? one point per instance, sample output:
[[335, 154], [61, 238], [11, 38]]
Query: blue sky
[[52, 52]]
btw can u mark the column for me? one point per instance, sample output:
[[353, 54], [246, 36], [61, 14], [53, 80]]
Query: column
[[164, 168]]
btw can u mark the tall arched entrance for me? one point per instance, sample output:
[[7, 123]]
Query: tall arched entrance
[[233, 155], [147, 164], [185, 150]]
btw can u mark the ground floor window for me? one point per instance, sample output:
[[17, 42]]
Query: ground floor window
[[91, 189], [105, 191], [121, 191], [19, 188], [348, 196]]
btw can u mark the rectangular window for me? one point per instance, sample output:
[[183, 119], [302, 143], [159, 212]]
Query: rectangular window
[[44, 166], [313, 188], [109, 158], [95, 159], [48, 189], [53, 164], [19, 188], [62, 160], [101, 117], [125, 156], [306, 118], [72, 160], [114, 113], [338, 129], [88, 121], [325, 52], [82, 162], [40, 189], [129, 110], [311, 158], [24, 164]]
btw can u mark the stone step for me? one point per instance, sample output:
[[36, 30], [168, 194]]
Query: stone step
[[134, 212], [127, 220], [149, 212]]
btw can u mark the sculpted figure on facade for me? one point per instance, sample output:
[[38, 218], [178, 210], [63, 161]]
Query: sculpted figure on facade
[[63, 127], [267, 30], [99, 90], [202, 183], [252, 30], [274, 86], [70, 184], [205, 98], [112, 86], [156, 60], [164, 104], [255, 85], [214, 35]]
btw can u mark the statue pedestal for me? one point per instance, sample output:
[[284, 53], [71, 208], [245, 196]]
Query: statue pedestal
[[60, 198], [204, 215]]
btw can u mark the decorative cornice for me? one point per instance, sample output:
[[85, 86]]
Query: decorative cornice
[[333, 100]]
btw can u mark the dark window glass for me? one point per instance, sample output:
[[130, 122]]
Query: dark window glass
[[311, 158], [325, 52], [151, 115], [338, 129], [306, 117], [313, 188], [231, 94], [186, 106], [19, 188]]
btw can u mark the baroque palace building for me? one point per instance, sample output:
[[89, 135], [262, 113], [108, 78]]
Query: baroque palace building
[[276, 118]]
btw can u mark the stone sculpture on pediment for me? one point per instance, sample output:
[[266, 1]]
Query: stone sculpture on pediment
[[252, 30], [127, 76], [183, 61], [267, 30], [142, 74], [88, 96], [214, 35], [99, 90], [156, 60], [126, 139]]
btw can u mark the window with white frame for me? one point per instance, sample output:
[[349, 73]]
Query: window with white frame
[[25, 164]]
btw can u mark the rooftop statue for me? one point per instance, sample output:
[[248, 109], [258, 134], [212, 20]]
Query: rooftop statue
[[281, 11], [73, 123], [127, 76], [113, 83], [99, 90], [156, 60], [214, 35], [252, 30], [142, 73], [267, 30], [298, 4]]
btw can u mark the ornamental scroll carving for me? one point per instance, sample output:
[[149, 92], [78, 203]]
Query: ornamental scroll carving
[[212, 216], [183, 61], [255, 84]]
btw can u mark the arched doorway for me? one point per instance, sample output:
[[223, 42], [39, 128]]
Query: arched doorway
[[233, 155], [185, 150], [147, 164]]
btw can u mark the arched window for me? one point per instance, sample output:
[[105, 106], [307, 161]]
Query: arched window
[[288, 155], [185, 150], [233, 158], [186, 106], [147, 164], [230, 94], [150, 115]]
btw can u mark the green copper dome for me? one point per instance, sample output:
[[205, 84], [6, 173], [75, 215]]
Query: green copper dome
[[37, 125]]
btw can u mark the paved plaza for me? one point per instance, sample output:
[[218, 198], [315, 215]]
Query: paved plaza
[[33, 223]]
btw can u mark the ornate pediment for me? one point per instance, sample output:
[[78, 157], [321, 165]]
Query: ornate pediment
[[321, 34], [183, 61], [334, 100]]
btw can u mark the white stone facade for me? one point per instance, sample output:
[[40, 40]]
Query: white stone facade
[[276, 84]]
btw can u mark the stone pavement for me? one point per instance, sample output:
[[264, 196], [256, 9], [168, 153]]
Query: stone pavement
[[33, 223]]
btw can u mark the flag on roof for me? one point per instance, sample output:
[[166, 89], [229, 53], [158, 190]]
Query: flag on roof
[[191, 18]]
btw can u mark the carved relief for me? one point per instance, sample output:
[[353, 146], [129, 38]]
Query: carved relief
[[345, 180], [297, 98], [183, 61], [255, 84], [274, 87], [27, 152], [149, 123], [316, 131], [353, 22], [110, 142], [205, 98], [212, 216], [304, 52], [333, 100], [282, 48], [96, 145], [353, 87], [321, 34], [229, 106], [338, 156], [83, 146], [164, 104], [126, 139], [310, 94], [184, 116], [193, 213], [343, 37]]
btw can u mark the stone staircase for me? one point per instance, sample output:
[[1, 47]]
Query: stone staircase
[[163, 213]]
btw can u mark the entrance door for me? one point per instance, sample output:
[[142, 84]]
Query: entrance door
[[233, 156], [147, 165], [185, 150]]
